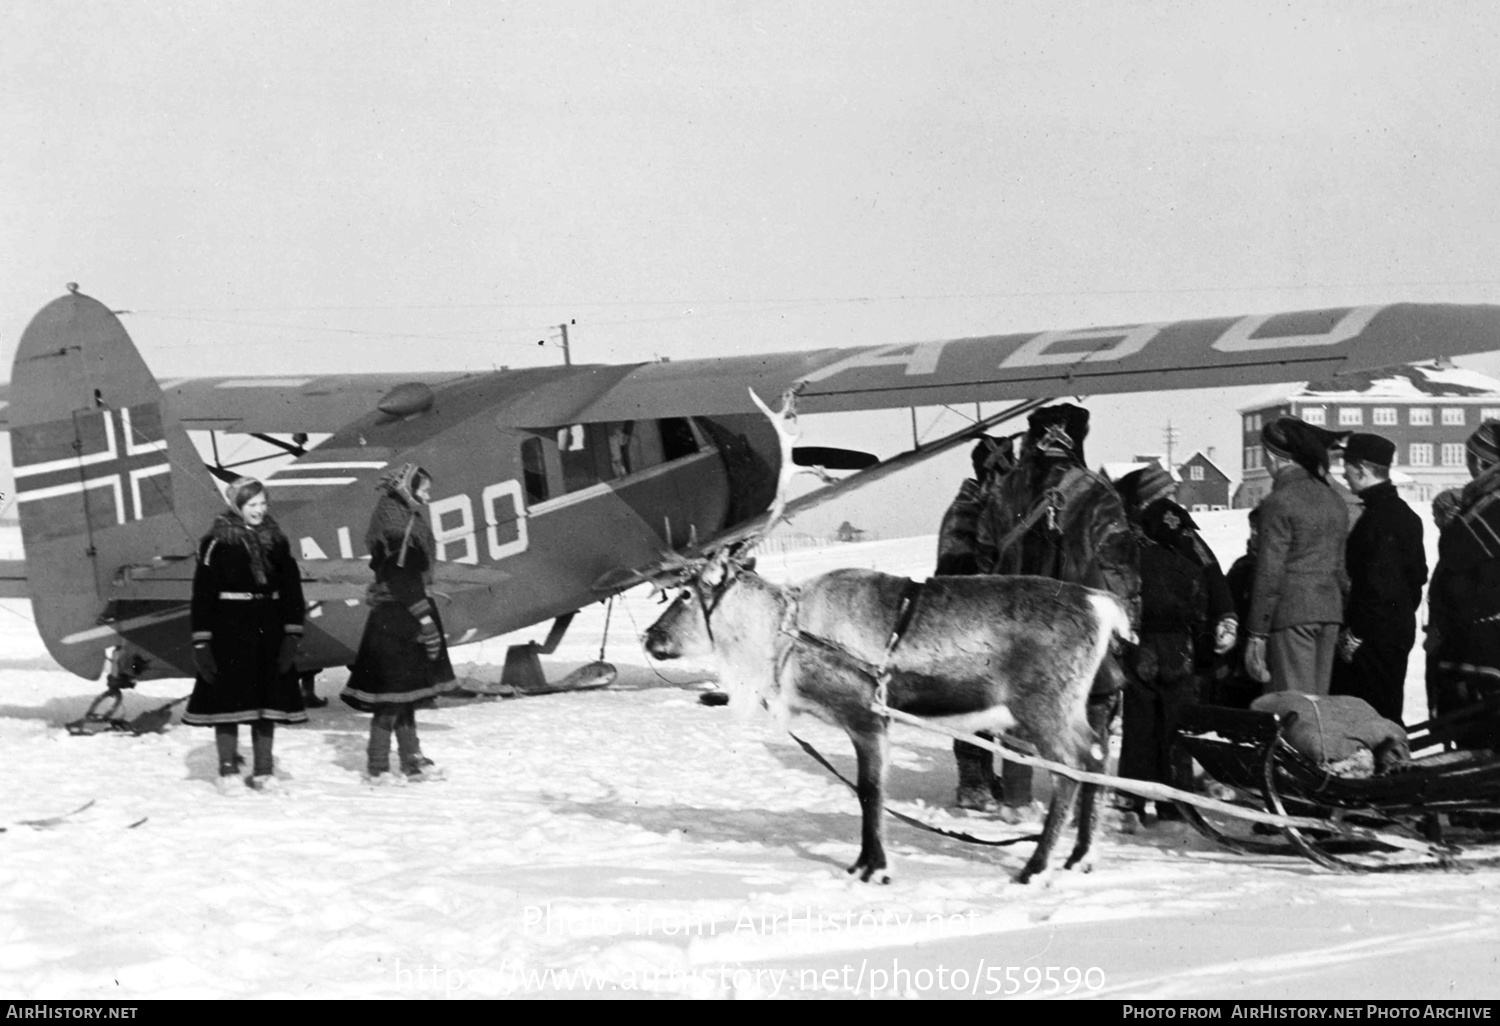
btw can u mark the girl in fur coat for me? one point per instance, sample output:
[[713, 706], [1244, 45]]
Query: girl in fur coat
[[247, 617]]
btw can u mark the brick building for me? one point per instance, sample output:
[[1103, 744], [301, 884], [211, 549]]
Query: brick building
[[1428, 410]]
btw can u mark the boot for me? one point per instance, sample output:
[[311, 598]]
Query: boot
[[310, 697], [976, 778], [420, 769]]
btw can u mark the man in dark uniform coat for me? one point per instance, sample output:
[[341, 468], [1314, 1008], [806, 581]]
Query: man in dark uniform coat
[[1387, 568]]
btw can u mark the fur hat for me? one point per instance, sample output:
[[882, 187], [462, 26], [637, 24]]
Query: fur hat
[[991, 456], [1372, 449], [241, 490], [1059, 430]]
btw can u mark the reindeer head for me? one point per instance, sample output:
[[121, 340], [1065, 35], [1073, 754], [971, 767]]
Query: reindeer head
[[686, 628]]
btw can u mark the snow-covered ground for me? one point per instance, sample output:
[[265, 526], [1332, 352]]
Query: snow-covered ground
[[635, 841]]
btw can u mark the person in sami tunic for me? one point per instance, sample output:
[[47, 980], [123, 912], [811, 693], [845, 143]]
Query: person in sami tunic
[[1463, 603], [958, 555], [247, 614], [403, 657]]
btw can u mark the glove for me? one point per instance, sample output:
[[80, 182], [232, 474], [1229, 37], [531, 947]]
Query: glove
[[1225, 635], [431, 640], [1348, 645], [203, 659], [1433, 641], [287, 657], [1255, 660]]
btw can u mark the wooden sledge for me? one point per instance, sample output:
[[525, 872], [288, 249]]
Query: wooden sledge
[[1448, 802]]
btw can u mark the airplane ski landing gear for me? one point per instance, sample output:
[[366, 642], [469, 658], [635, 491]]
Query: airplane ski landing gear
[[103, 713], [523, 667]]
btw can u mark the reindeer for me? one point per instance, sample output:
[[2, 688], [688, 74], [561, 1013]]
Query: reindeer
[[973, 653]]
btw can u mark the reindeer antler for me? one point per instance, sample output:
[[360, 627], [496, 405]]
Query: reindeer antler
[[785, 424]]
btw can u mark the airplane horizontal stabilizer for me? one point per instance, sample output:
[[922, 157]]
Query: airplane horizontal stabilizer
[[13, 579]]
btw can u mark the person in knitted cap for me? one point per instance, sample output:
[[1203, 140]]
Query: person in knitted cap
[[1297, 599], [1187, 620], [247, 614], [978, 787], [1052, 517], [1463, 614], [1387, 568], [403, 658]]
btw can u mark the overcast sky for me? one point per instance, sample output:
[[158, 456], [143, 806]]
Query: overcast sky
[[332, 186]]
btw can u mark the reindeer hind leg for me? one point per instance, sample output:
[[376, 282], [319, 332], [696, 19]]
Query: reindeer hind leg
[[1101, 713], [1064, 790]]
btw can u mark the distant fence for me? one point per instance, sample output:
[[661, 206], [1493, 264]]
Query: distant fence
[[793, 541]]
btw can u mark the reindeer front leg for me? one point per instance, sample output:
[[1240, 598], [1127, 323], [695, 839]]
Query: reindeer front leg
[[870, 747]]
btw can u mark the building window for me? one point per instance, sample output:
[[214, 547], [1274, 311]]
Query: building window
[[1489, 413], [1384, 415], [1315, 415], [1419, 416], [1421, 454], [1252, 457], [1195, 473], [1453, 454], [1453, 415], [1350, 416]]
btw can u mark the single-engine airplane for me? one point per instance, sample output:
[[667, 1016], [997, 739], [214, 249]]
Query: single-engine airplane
[[554, 486]]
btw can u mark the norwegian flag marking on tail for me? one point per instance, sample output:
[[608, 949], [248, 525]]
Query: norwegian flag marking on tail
[[115, 459]]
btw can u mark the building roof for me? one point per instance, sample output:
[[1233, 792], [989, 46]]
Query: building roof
[[1412, 382], [1210, 462]]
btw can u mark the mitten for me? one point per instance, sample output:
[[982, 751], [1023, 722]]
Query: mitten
[[203, 659], [287, 657]]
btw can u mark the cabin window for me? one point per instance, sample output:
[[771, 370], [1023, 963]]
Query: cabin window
[[590, 454], [677, 438], [534, 471]]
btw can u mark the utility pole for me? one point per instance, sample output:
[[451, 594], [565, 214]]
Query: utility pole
[[567, 354], [1171, 436]]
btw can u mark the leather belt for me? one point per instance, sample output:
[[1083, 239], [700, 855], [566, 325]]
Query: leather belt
[[248, 596]]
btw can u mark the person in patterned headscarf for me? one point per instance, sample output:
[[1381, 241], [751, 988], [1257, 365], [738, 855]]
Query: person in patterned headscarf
[[1463, 615], [247, 614], [1187, 619], [403, 657], [1297, 599]]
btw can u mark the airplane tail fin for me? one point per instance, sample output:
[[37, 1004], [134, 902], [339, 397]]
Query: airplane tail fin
[[106, 476]]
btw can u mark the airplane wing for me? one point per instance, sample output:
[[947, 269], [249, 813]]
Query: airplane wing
[[1225, 351], [1228, 351]]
